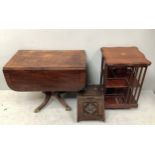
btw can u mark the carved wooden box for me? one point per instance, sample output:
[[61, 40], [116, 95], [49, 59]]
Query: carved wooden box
[[91, 104]]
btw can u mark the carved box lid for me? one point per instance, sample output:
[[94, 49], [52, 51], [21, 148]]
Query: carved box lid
[[92, 90]]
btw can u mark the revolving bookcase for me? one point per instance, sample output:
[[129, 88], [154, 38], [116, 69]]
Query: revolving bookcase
[[123, 70]]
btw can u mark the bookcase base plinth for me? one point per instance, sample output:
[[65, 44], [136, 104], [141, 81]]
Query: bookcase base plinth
[[120, 106]]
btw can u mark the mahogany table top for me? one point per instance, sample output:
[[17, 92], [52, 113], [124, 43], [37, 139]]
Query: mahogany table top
[[47, 60]]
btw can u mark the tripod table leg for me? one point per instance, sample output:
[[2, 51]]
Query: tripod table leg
[[62, 101], [47, 98]]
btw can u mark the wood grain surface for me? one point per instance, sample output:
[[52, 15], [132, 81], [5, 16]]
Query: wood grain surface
[[129, 56], [46, 71]]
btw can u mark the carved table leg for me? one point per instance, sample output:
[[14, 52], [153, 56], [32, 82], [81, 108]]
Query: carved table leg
[[62, 101], [47, 98]]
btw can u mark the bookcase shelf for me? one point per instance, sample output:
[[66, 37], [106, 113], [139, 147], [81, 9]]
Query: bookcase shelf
[[121, 83], [116, 83], [120, 92], [118, 102]]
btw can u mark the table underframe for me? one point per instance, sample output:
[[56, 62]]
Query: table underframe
[[54, 95]]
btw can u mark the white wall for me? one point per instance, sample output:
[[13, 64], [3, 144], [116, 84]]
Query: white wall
[[90, 40]]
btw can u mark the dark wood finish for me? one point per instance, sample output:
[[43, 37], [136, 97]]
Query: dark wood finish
[[46, 80], [47, 71], [57, 96], [145, 69], [116, 83], [47, 98], [91, 104], [129, 56], [124, 71], [62, 101]]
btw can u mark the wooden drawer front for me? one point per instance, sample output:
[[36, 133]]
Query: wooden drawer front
[[46, 80], [90, 108]]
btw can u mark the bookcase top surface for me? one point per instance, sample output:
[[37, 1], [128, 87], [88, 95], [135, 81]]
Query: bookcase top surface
[[124, 56]]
